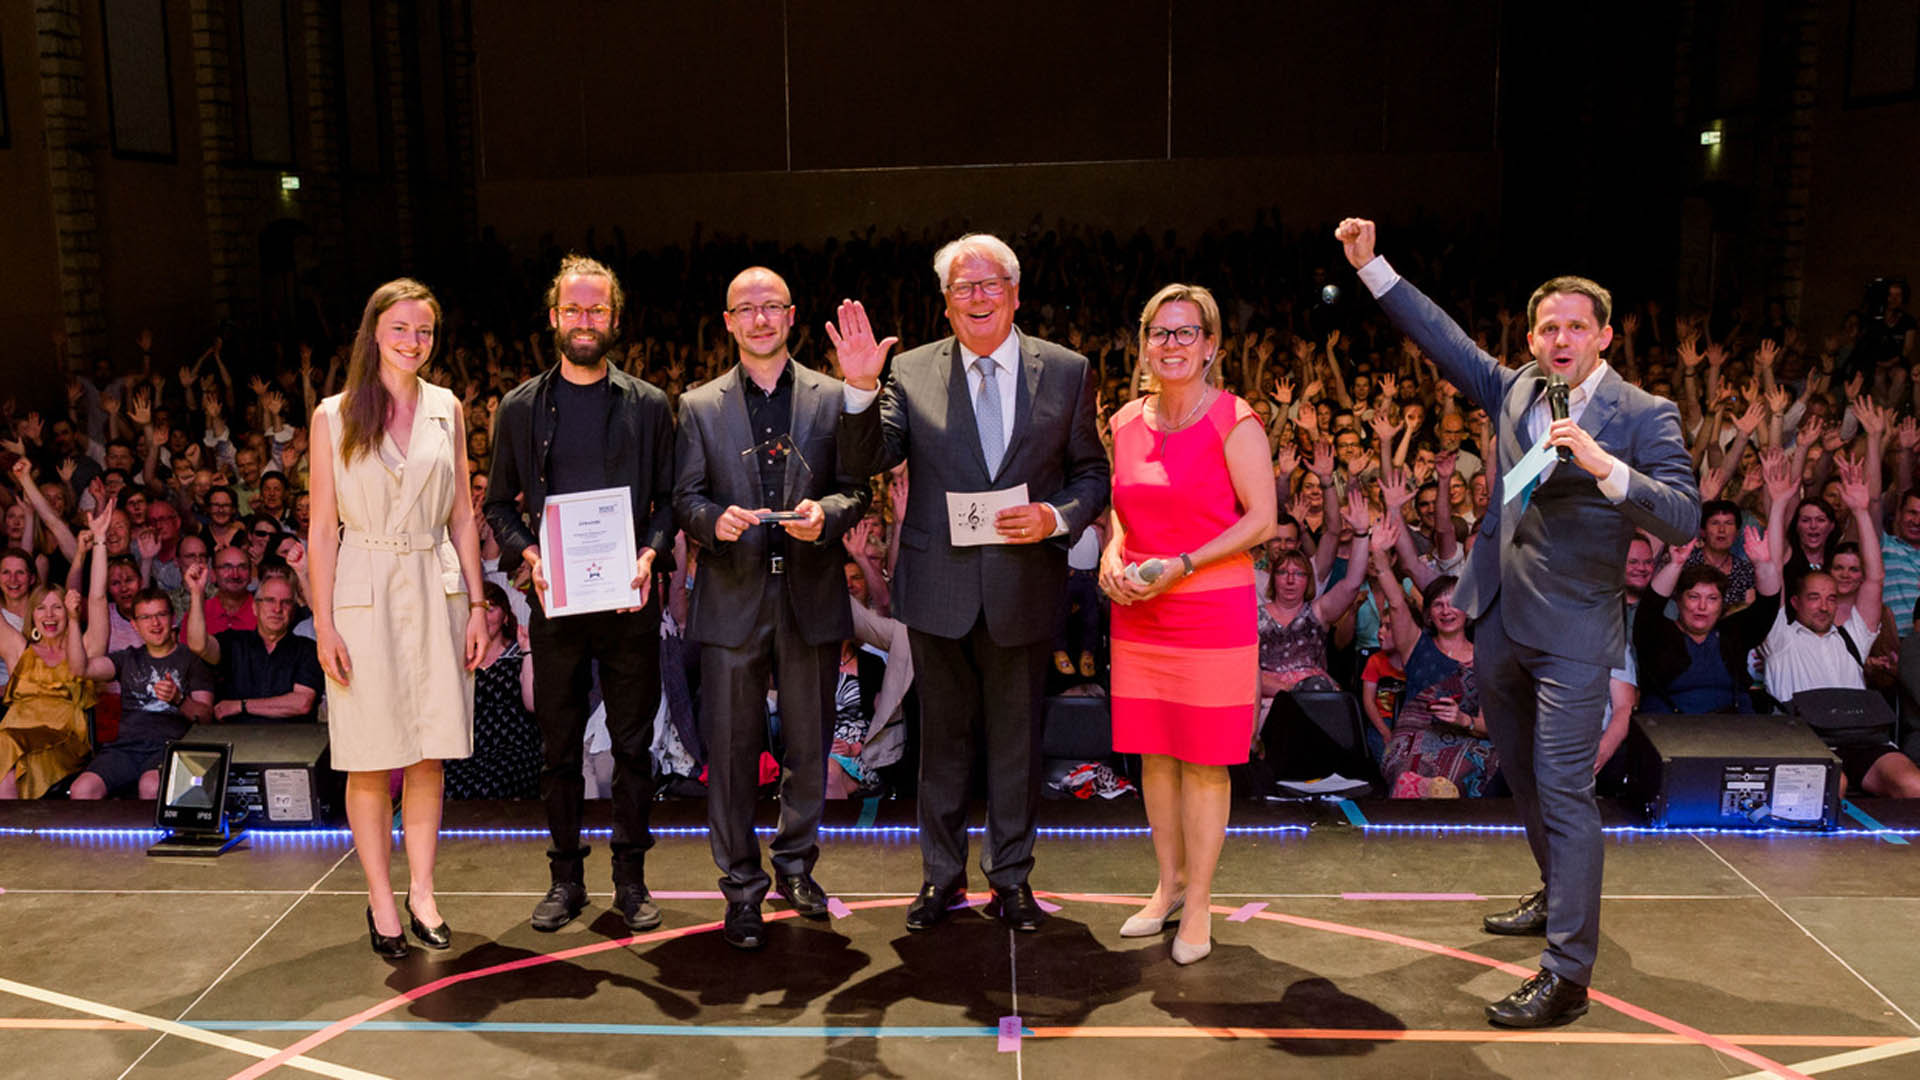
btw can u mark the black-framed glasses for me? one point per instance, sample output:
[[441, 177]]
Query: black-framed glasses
[[1183, 335], [772, 309], [964, 290], [265, 534], [576, 313]]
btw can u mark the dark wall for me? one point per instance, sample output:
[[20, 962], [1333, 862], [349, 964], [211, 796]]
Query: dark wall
[[790, 121]]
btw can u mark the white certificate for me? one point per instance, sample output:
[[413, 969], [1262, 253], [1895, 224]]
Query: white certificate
[[587, 551], [970, 514]]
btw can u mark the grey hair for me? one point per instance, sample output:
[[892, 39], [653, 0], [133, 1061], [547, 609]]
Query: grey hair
[[985, 245]]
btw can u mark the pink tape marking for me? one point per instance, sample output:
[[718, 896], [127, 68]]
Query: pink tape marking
[[1247, 911], [1009, 1034], [1046, 906], [837, 909], [669, 894], [1411, 896]]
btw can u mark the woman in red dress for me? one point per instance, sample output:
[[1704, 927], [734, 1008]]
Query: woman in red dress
[[1192, 490]]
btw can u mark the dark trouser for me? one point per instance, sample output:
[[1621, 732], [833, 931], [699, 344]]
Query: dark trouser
[[1081, 632], [968, 685], [1543, 712], [627, 648], [733, 720]]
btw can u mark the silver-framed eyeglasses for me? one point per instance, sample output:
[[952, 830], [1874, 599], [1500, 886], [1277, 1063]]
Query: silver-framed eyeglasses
[[964, 290], [1183, 335], [772, 309]]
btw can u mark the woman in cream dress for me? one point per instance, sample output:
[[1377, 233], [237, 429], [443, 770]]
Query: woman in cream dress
[[398, 613]]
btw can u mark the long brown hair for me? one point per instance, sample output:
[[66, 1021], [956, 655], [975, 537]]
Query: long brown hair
[[363, 408]]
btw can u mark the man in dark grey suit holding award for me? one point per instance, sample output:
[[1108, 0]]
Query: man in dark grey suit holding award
[[758, 488], [1582, 460], [1005, 466]]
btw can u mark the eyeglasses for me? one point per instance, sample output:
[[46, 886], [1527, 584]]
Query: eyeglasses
[[264, 534], [1184, 335], [148, 616], [576, 313], [963, 290], [772, 309]]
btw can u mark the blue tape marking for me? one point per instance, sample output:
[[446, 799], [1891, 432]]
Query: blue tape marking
[[1354, 816], [1861, 816], [869, 810]]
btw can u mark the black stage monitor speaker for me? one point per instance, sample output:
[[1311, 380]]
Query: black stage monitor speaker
[[1077, 729], [278, 777], [1732, 772]]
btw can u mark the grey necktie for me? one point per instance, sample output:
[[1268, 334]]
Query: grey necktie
[[986, 414]]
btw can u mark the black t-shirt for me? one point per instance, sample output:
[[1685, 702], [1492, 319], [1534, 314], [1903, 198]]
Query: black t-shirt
[[143, 716], [578, 460], [248, 670]]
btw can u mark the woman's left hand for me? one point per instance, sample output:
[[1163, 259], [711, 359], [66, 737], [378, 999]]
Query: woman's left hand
[[476, 637]]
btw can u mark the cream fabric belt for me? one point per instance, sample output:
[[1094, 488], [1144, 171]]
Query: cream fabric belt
[[397, 542]]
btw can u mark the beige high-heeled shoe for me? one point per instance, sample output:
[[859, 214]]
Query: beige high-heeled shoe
[[1184, 954], [1147, 926]]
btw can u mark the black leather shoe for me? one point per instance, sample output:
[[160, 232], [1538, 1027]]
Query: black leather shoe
[[804, 893], [433, 937], [393, 948], [559, 906], [1017, 908], [635, 904], [1530, 917], [744, 928], [1542, 1001], [930, 908]]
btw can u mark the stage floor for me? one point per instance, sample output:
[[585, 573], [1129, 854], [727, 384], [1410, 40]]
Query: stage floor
[[1342, 948]]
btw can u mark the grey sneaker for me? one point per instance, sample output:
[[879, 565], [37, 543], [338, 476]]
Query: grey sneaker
[[635, 904], [559, 906]]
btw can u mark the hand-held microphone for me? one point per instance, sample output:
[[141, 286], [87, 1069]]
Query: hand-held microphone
[[1557, 404], [1146, 573]]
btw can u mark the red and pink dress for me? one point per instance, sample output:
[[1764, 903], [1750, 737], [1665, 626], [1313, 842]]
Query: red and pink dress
[[1186, 664]]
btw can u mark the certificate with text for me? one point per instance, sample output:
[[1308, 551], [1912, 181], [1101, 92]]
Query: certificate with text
[[587, 551]]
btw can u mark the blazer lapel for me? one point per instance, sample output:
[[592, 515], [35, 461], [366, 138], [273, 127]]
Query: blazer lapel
[[737, 432], [1601, 407], [1023, 397], [430, 422], [960, 407], [798, 481]]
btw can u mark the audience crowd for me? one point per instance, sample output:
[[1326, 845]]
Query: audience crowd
[[153, 570]]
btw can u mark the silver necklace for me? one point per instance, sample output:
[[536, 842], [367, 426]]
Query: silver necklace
[[1188, 419]]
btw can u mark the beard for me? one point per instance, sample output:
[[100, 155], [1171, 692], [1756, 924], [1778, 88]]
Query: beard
[[586, 354]]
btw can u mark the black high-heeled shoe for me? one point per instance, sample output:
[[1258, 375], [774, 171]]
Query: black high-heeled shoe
[[433, 937], [392, 947]]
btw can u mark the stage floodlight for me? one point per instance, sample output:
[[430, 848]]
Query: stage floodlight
[[1710, 137], [192, 806]]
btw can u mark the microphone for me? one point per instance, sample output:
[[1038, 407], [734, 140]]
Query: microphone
[[1557, 404], [1146, 573]]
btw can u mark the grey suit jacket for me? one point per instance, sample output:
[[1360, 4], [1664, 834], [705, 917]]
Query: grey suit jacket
[[1559, 565], [924, 416], [711, 475]]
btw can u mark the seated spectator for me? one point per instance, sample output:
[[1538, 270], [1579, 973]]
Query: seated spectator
[[1383, 682], [265, 674], [1719, 529], [1848, 572], [506, 742], [231, 605], [16, 591], [263, 535], [164, 689], [1294, 622], [1901, 554], [1697, 662], [1439, 746], [876, 671], [43, 737], [223, 518]]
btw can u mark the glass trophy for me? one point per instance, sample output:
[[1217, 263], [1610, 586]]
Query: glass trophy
[[796, 476]]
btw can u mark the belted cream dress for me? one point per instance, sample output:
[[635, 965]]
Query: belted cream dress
[[399, 600]]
